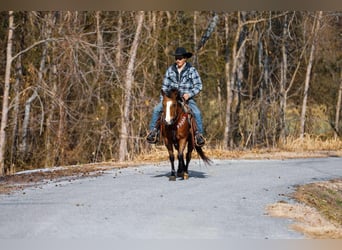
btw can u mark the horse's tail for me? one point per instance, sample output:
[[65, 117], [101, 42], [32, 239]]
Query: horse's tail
[[201, 153]]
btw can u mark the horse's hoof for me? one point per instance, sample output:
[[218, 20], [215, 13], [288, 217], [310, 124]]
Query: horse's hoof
[[186, 176], [172, 178], [180, 174]]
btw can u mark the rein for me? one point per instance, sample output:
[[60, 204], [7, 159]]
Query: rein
[[186, 110]]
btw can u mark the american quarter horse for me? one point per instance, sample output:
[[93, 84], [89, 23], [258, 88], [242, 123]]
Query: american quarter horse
[[177, 131]]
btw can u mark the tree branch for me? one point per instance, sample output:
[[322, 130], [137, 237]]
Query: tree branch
[[34, 45]]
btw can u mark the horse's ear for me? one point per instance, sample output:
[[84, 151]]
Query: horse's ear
[[174, 92], [162, 93]]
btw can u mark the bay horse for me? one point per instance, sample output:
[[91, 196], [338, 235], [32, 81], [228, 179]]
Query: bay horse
[[177, 130]]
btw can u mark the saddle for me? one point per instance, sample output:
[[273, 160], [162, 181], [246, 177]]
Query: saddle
[[190, 118]]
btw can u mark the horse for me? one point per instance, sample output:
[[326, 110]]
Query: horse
[[177, 130]]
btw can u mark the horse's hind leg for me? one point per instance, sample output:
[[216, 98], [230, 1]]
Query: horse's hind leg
[[181, 165], [188, 159]]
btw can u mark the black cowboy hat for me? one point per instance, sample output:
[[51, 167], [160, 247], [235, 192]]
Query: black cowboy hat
[[180, 51]]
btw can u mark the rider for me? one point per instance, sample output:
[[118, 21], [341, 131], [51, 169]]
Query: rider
[[183, 76]]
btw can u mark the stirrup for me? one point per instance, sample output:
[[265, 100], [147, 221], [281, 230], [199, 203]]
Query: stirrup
[[152, 137], [202, 140]]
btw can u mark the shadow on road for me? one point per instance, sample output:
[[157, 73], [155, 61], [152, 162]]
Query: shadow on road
[[192, 174]]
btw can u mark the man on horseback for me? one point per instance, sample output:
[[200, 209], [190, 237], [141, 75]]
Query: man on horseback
[[184, 77]]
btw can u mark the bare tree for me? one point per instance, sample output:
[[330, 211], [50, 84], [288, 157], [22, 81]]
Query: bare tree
[[129, 79], [5, 108], [285, 84], [100, 47], [338, 107], [314, 34], [283, 81], [228, 88], [118, 54], [234, 77], [16, 104], [46, 32]]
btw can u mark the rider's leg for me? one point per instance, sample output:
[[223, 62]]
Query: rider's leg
[[154, 128], [198, 117]]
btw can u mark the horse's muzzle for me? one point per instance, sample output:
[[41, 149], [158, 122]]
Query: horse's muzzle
[[170, 122]]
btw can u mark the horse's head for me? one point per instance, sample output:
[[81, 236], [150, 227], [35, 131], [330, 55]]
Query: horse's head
[[170, 106]]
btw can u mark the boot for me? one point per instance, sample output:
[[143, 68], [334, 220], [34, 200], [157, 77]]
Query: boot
[[199, 139], [153, 136]]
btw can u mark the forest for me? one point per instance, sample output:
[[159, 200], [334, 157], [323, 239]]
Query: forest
[[80, 86]]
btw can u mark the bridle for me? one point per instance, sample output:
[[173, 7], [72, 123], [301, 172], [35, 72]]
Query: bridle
[[183, 109], [175, 118]]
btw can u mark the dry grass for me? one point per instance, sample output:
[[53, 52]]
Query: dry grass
[[311, 148], [311, 143], [326, 197], [307, 220], [319, 213]]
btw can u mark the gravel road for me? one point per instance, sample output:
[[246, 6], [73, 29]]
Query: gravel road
[[224, 200]]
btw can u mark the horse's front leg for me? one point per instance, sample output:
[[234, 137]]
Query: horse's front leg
[[172, 161]]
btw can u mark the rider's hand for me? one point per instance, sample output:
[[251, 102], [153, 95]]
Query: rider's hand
[[186, 96]]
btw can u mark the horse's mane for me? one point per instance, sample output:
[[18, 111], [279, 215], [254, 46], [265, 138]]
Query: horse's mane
[[171, 92]]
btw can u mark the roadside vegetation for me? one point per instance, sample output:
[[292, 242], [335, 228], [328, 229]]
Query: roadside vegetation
[[318, 213]]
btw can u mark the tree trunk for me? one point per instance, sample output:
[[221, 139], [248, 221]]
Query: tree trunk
[[195, 59], [314, 33], [100, 49], [283, 81], [118, 53], [233, 88], [338, 108], [23, 145], [18, 81], [241, 58], [285, 88], [264, 92], [129, 79], [52, 146], [4, 115], [228, 88]]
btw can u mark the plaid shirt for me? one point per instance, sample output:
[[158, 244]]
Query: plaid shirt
[[188, 81]]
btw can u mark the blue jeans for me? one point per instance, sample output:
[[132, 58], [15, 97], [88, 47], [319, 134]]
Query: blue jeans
[[158, 109]]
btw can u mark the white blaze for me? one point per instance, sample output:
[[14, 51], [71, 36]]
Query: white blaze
[[168, 112]]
